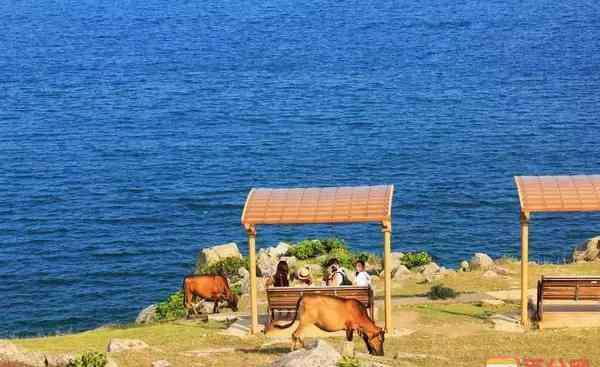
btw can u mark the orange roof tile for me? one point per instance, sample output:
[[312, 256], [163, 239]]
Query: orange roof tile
[[318, 205], [559, 193]]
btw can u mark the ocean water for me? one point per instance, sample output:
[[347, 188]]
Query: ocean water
[[132, 131]]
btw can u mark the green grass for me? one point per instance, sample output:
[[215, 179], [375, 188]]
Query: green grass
[[446, 334]]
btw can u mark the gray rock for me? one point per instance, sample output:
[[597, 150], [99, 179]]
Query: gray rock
[[60, 360], [401, 273], [280, 250], [501, 270], [429, 269], [8, 348], [489, 274], [146, 315], [214, 254], [161, 363], [464, 266], [266, 264], [481, 261], [320, 354], [120, 345], [587, 251]]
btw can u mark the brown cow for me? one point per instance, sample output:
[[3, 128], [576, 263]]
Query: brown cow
[[210, 288], [331, 313]]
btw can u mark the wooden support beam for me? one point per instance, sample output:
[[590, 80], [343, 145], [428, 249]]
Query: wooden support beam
[[387, 269], [524, 221], [253, 289]]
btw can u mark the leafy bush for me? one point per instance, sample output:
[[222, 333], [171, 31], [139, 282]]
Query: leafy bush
[[334, 243], [306, 249], [441, 292], [414, 259], [227, 267], [171, 308], [90, 359], [347, 361]]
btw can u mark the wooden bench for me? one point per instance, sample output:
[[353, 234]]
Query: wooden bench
[[571, 288], [282, 301]]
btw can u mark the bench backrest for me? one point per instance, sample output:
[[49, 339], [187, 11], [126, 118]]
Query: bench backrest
[[571, 287], [287, 297]]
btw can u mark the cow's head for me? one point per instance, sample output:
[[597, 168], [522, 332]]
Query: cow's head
[[232, 301], [374, 340]]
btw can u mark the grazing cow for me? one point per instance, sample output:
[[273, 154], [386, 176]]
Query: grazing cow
[[210, 288], [331, 313]]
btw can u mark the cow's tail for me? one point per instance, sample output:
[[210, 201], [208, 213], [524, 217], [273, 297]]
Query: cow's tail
[[295, 316]]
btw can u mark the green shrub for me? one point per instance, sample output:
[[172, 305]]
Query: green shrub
[[171, 308], [346, 258], [90, 359], [441, 292], [347, 361], [334, 243], [227, 267], [306, 249], [414, 259]]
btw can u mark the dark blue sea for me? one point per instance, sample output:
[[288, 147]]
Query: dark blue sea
[[132, 131]]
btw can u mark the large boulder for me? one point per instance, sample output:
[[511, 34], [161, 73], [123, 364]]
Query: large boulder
[[10, 352], [429, 269], [481, 261], [146, 315], [266, 264], [396, 260], [320, 354], [401, 273], [120, 345], [211, 255], [588, 251], [280, 250]]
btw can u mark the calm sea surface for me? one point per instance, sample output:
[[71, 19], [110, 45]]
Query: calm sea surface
[[131, 132]]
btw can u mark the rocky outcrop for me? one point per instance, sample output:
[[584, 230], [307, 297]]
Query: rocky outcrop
[[401, 273], [481, 261], [464, 266], [146, 315], [429, 269], [14, 354], [211, 255], [588, 251], [268, 258], [120, 345], [320, 354], [396, 260]]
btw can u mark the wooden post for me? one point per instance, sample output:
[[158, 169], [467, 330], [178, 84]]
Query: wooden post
[[253, 289], [524, 220], [387, 264]]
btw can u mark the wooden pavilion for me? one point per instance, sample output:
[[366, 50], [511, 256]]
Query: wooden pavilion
[[551, 194], [317, 206]]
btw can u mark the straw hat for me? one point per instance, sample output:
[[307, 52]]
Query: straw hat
[[304, 273]]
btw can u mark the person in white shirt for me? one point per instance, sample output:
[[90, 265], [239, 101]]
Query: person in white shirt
[[362, 279]]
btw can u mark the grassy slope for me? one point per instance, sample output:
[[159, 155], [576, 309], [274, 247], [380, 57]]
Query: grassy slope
[[458, 332]]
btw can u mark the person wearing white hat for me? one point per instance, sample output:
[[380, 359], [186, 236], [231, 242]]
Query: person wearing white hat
[[303, 278]]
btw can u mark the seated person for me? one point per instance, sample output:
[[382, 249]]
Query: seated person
[[335, 275], [281, 278], [303, 278], [362, 279]]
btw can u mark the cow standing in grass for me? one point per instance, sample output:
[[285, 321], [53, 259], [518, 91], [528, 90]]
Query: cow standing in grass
[[213, 288], [330, 313]]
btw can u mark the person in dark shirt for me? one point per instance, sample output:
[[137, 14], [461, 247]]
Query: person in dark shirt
[[281, 277]]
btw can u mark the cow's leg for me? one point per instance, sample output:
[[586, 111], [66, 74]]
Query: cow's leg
[[216, 307], [298, 336], [349, 333]]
